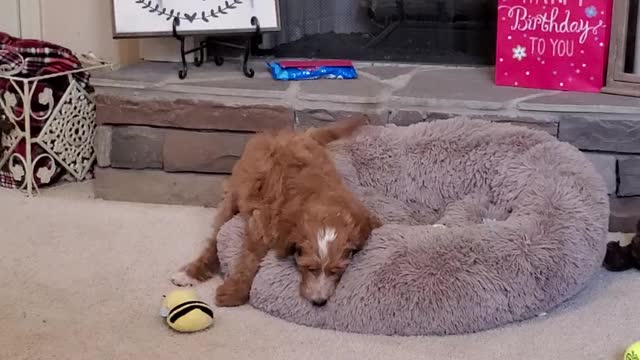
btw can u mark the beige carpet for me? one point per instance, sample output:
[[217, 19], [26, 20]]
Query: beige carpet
[[83, 279]]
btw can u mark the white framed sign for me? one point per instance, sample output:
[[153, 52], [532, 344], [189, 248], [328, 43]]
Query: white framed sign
[[154, 18]]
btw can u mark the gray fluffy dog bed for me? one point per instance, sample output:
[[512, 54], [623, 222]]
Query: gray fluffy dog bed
[[526, 223]]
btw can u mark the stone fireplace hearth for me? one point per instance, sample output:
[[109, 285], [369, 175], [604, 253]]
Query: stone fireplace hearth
[[164, 140]]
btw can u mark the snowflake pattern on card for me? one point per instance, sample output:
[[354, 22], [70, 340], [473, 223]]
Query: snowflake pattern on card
[[519, 53], [553, 44]]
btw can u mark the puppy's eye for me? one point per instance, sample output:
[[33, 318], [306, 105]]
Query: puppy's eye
[[350, 253], [335, 271], [313, 271]]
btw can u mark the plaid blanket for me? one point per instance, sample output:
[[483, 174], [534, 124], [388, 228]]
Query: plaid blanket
[[39, 58], [27, 58]]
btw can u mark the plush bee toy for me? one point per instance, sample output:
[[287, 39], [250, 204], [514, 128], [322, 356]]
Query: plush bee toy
[[184, 312]]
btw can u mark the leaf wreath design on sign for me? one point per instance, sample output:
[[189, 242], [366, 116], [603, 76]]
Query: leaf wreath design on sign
[[155, 7]]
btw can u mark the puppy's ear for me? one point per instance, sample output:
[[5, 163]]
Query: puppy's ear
[[296, 250], [296, 241], [361, 230]]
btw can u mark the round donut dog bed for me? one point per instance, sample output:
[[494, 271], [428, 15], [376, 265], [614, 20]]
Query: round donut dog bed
[[525, 220]]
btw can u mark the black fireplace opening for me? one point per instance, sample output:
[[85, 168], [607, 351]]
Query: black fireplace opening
[[424, 31], [632, 27]]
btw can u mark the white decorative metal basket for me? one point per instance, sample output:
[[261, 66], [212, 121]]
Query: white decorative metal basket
[[65, 134]]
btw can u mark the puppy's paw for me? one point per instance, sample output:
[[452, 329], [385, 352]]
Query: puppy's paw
[[618, 258], [181, 278], [192, 274], [230, 294]]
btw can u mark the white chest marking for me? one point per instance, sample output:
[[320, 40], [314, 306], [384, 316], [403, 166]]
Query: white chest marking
[[325, 237]]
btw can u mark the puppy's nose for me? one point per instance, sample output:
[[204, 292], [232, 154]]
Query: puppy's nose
[[319, 302]]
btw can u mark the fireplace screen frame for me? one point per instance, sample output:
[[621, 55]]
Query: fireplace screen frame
[[619, 81]]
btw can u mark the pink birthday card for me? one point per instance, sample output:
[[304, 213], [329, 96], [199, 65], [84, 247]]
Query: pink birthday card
[[553, 44]]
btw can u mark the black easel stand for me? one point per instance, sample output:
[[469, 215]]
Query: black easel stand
[[252, 40]]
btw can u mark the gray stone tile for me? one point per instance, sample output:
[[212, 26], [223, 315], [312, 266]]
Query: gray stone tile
[[434, 116], [231, 68], [266, 84], [207, 152], [629, 172], [406, 117], [180, 111], [386, 72], [145, 72], [474, 86], [136, 147], [583, 103], [320, 117], [605, 164], [102, 145], [154, 73], [548, 125], [625, 214], [362, 90], [242, 87], [158, 187], [593, 133]]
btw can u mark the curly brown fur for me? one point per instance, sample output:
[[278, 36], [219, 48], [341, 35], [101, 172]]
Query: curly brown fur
[[294, 202], [621, 258]]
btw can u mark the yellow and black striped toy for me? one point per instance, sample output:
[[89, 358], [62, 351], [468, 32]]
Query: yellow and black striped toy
[[184, 312]]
